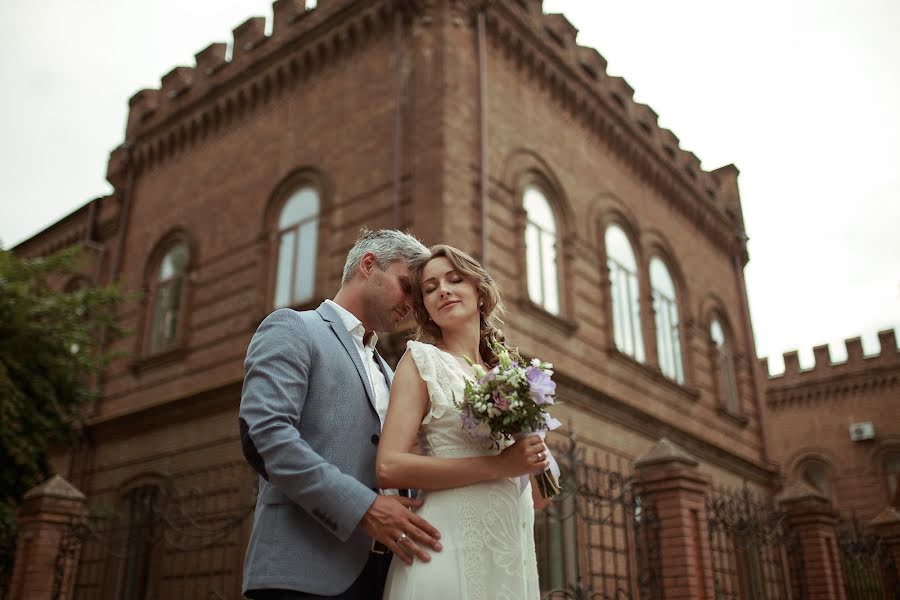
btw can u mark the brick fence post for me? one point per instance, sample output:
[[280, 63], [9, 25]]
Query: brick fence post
[[47, 514], [887, 526], [668, 480], [813, 519]]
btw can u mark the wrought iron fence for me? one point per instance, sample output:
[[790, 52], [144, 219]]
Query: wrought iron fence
[[178, 537], [754, 554], [870, 572], [598, 540]]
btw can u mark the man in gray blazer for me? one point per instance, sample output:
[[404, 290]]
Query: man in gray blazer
[[314, 397]]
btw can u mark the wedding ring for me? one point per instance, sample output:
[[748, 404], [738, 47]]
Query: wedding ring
[[401, 538]]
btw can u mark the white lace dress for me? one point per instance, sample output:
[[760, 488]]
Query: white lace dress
[[487, 529]]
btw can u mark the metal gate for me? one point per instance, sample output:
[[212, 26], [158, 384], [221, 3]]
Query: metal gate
[[598, 540], [870, 572], [176, 537], [755, 555]]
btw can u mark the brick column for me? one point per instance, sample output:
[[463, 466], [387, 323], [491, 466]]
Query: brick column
[[669, 481], [813, 520], [887, 526], [47, 514]]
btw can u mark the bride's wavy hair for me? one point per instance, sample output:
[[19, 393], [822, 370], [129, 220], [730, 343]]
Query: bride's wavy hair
[[488, 294]]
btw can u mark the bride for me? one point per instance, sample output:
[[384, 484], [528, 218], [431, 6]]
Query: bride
[[470, 488]]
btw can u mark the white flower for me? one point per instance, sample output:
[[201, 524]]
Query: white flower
[[535, 362]]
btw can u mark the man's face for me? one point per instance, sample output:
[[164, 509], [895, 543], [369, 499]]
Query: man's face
[[388, 296]]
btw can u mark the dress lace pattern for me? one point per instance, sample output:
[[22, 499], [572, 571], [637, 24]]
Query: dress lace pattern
[[487, 529]]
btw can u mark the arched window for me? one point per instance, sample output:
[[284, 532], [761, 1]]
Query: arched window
[[665, 307], [724, 367], [167, 298], [815, 473], [140, 514], [892, 472], [541, 251], [626, 304], [298, 228]]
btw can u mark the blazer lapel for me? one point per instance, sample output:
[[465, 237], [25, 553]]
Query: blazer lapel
[[327, 313]]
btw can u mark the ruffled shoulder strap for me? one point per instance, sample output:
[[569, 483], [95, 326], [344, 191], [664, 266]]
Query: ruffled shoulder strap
[[434, 373]]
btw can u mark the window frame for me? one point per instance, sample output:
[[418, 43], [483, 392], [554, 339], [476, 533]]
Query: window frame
[[715, 360], [893, 499], [151, 288], [294, 255], [635, 304], [532, 184], [270, 236], [675, 305]]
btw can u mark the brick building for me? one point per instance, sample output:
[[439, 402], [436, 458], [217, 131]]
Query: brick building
[[242, 182], [836, 426]]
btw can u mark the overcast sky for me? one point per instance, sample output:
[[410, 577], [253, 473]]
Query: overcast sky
[[802, 95]]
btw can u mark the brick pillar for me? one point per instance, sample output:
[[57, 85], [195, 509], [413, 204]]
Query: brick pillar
[[813, 520], [887, 526], [669, 481], [47, 514]]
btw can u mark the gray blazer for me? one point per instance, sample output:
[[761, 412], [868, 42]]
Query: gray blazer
[[309, 427]]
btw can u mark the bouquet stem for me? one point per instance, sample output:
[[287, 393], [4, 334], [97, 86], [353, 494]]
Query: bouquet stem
[[547, 484]]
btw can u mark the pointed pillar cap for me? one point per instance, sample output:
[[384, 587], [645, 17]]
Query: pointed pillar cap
[[55, 487], [800, 491], [889, 516], [665, 451]]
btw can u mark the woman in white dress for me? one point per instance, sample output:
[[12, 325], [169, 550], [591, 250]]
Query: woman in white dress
[[470, 488]]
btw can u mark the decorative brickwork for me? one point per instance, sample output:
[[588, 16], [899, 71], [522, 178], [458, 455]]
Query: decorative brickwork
[[813, 520], [837, 425], [41, 572]]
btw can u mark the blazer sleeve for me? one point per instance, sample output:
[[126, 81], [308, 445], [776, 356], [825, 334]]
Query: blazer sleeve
[[275, 388]]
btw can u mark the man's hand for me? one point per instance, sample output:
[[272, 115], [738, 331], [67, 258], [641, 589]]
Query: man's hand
[[390, 521]]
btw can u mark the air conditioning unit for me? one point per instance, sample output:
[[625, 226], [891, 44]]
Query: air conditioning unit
[[862, 431]]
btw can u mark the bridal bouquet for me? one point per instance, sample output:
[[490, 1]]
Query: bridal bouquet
[[509, 402]]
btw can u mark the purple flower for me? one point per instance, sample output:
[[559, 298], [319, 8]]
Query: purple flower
[[489, 376], [501, 402], [541, 386], [470, 422]]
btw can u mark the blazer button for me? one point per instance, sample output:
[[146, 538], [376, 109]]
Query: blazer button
[[375, 438]]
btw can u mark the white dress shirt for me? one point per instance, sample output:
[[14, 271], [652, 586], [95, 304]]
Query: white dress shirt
[[367, 354]]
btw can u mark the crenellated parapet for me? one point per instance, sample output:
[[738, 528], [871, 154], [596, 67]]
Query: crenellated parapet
[[193, 101], [827, 378], [576, 76]]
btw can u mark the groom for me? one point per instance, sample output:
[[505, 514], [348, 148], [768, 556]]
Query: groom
[[314, 399]]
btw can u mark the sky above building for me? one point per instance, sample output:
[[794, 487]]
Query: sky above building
[[802, 96]]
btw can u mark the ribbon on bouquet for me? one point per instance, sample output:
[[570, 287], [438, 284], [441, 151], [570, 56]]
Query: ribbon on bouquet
[[522, 480]]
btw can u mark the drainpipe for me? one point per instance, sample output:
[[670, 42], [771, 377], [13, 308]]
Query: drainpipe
[[126, 212], [748, 333], [482, 127], [398, 115]]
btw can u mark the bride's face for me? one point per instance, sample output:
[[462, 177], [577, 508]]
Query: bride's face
[[450, 298]]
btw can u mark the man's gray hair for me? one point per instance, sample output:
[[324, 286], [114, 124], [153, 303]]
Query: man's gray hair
[[388, 246]]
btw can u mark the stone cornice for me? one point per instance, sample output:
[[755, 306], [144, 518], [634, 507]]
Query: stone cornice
[[835, 388], [595, 402], [575, 76], [72, 229]]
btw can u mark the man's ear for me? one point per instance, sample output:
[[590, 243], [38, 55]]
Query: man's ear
[[367, 264]]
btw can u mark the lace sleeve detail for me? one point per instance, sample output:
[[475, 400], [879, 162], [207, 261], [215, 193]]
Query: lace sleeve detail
[[435, 376]]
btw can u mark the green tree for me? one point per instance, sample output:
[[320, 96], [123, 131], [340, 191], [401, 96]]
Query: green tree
[[50, 353]]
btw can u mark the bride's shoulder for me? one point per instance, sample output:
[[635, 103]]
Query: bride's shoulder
[[420, 349]]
